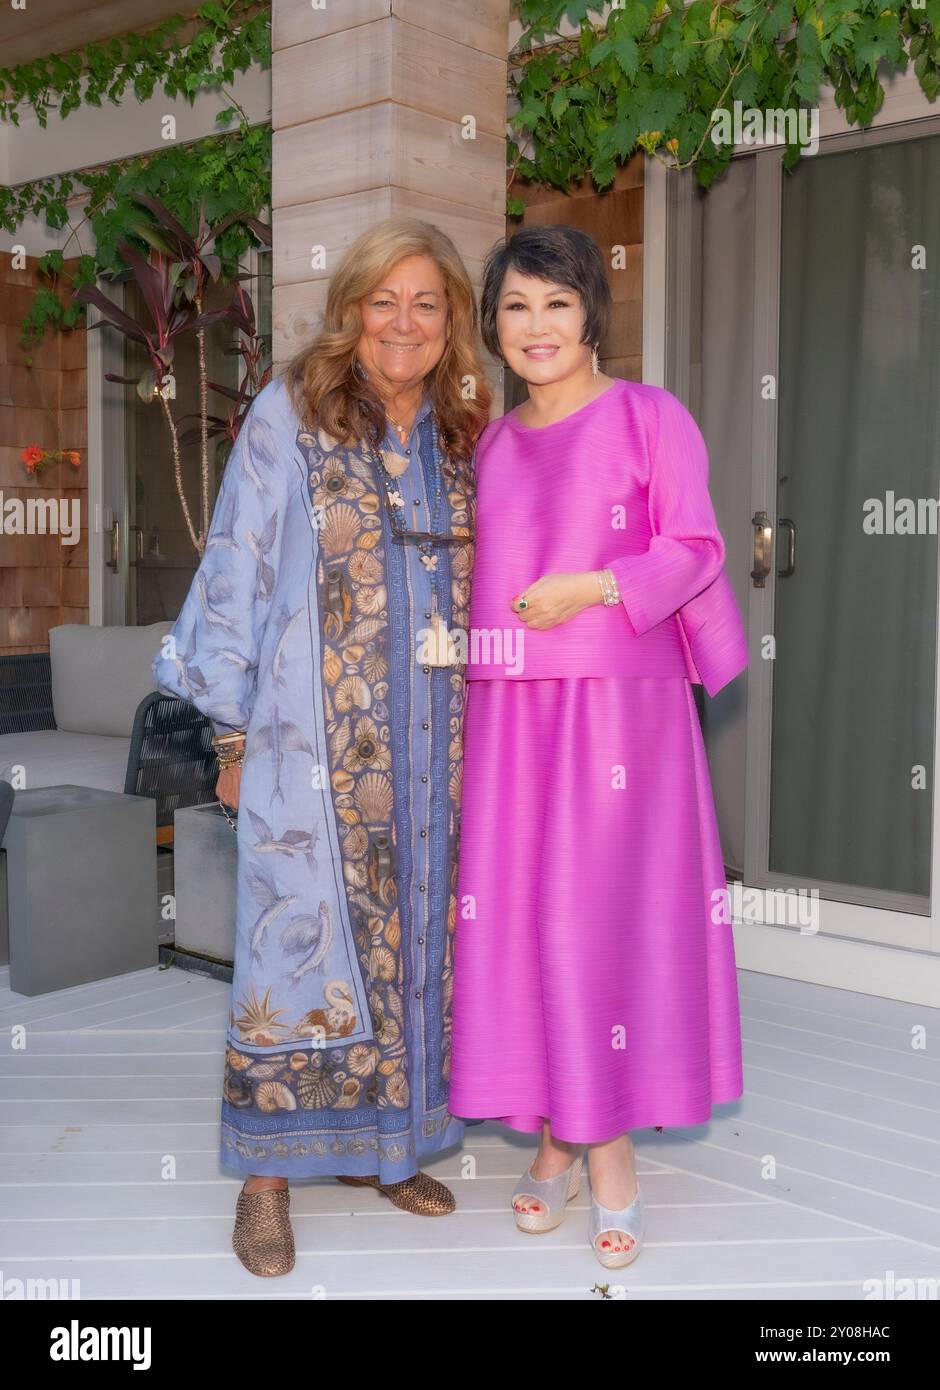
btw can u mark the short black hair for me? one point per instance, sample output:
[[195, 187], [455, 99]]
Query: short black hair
[[562, 255]]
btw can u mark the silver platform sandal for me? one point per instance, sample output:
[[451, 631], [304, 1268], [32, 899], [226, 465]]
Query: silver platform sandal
[[552, 1194], [629, 1220]]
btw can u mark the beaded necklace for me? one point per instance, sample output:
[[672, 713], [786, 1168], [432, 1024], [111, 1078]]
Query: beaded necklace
[[390, 466]]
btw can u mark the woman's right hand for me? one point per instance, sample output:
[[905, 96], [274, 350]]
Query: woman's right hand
[[228, 785]]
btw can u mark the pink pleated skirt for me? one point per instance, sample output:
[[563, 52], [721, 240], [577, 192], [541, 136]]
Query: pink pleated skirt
[[594, 974]]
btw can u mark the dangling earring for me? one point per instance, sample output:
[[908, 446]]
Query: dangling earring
[[595, 361]]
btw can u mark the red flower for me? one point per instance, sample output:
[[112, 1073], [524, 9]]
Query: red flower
[[31, 456]]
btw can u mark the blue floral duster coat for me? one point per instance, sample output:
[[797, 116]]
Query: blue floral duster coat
[[303, 626]]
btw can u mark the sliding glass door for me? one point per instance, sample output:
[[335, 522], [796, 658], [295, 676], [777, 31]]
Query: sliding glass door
[[857, 482]]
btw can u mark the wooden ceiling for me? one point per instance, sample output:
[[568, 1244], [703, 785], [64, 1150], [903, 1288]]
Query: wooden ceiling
[[60, 26]]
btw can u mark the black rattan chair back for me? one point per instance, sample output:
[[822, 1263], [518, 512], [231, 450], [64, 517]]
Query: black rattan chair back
[[171, 755], [26, 693]]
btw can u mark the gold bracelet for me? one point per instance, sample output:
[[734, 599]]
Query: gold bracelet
[[229, 749], [221, 740]]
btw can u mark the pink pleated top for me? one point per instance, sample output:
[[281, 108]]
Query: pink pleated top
[[621, 483]]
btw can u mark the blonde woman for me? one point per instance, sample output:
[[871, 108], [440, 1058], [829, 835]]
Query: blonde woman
[[339, 552]]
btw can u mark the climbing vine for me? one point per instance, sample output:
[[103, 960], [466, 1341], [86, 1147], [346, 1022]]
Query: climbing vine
[[226, 173], [591, 83], [228, 38], [651, 75]]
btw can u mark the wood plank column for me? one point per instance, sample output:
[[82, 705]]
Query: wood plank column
[[381, 107]]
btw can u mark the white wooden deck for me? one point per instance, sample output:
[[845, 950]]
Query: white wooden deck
[[120, 1074]]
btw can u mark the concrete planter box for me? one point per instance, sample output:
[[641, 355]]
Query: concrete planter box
[[205, 864], [81, 897]]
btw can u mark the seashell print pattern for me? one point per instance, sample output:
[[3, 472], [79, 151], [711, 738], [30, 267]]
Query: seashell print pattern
[[353, 600]]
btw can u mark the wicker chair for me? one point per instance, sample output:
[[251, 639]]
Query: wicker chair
[[26, 693], [171, 757]]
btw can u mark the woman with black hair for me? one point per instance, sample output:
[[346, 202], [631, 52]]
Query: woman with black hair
[[595, 987]]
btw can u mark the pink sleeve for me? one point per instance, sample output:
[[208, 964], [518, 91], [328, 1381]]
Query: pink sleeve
[[686, 550]]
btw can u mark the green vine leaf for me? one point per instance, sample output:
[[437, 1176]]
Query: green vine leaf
[[228, 39], [649, 74], [228, 173]]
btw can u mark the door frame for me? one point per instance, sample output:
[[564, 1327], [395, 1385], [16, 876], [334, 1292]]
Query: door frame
[[107, 487], [862, 945], [911, 926]]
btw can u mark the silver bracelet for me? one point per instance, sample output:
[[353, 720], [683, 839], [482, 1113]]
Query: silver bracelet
[[610, 589]]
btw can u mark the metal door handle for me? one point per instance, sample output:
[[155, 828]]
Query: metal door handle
[[763, 541], [790, 566], [115, 560]]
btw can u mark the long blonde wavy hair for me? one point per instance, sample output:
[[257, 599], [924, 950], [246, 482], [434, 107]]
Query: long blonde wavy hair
[[327, 390]]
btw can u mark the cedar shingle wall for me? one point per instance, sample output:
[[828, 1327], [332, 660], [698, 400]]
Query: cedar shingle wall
[[42, 582]]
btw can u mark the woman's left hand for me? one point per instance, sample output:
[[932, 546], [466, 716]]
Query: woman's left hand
[[555, 598]]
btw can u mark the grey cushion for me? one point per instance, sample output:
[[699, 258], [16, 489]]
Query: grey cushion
[[99, 677], [50, 758]]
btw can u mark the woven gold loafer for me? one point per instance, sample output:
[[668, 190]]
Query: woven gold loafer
[[262, 1238], [422, 1195]]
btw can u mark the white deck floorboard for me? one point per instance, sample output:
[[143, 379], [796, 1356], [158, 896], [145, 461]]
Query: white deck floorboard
[[824, 1175]]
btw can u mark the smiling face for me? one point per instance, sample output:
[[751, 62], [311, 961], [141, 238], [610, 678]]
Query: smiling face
[[404, 325], [540, 326]]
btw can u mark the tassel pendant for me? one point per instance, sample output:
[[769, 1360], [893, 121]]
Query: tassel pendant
[[438, 647], [395, 464]]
